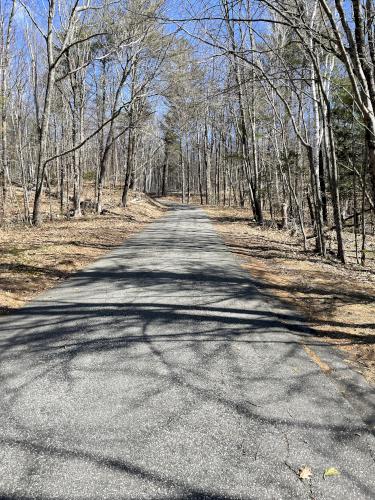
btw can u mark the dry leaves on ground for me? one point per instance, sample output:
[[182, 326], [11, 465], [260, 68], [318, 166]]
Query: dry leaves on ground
[[305, 472]]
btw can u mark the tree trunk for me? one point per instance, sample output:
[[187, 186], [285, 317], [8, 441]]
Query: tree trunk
[[207, 161], [45, 119], [165, 175], [323, 185], [129, 168]]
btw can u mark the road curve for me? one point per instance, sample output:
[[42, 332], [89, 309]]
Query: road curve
[[161, 372]]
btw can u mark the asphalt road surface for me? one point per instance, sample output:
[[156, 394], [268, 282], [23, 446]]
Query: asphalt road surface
[[161, 372]]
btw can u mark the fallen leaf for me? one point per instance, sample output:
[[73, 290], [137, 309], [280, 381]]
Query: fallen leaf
[[331, 471], [304, 472]]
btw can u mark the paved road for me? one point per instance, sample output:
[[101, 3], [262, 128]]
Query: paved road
[[160, 372]]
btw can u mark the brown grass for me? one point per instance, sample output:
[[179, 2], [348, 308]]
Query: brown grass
[[33, 259], [337, 300]]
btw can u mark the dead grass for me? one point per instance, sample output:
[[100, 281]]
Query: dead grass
[[33, 259], [338, 301]]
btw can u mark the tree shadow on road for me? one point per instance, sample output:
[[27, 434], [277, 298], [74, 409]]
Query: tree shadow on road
[[120, 368]]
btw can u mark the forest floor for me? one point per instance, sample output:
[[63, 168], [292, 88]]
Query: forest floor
[[338, 301], [33, 259]]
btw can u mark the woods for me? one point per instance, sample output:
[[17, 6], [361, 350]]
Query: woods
[[187, 249], [268, 105]]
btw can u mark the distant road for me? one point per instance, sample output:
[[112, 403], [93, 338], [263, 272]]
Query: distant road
[[161, 372]]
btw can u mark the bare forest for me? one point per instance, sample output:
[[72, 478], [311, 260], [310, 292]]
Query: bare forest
[[187, 249], [267, 105]]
